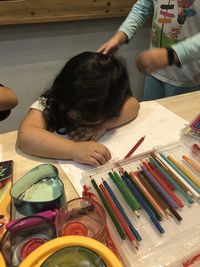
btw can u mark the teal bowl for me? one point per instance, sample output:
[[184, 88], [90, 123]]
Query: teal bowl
[[38, 190]]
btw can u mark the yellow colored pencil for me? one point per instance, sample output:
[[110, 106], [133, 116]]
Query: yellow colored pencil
[[185, 171]]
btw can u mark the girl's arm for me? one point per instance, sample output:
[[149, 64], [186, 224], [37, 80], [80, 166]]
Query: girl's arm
[[34, 138], [137, 17], [8, 99], [129, 112], [188, 50]]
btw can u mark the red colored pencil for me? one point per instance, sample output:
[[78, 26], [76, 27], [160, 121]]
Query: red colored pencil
[[167, 189], [119, 216], [135, 147]]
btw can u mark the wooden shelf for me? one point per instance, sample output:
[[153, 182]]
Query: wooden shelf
[[35, 11]]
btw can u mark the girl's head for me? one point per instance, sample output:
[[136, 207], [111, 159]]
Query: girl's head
[[91, 88]]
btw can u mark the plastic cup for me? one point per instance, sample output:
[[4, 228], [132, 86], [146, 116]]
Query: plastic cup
[[83, 217]]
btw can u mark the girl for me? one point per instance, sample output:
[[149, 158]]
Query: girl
[[173, 61], [89, 96]]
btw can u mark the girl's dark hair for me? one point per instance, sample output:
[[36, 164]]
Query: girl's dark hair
[[91, 84]]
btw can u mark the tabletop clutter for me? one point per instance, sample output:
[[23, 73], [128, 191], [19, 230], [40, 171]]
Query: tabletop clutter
[[131, 205]]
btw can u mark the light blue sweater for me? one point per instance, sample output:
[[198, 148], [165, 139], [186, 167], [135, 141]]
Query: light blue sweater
[[173, 25]]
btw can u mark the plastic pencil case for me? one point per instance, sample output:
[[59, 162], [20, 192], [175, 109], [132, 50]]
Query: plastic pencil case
[[38, 190], [192, 130], [180, 241]]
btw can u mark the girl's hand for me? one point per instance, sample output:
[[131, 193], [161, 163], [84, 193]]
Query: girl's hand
[[113, 44], [152, 60], [91, 153]]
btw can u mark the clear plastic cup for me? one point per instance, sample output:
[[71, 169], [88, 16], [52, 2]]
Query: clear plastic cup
[[83, 217]]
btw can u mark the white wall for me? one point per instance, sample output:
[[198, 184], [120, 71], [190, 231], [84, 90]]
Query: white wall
[[31, 55]]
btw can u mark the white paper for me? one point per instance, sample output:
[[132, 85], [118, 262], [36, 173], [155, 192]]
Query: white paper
[[159, 125]]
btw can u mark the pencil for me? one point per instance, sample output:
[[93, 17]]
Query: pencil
[[153, 218], [142, 201], [167, 175], [109, 210], [165, 197], [139, 142], [192, 163], [184, 170], [157, 186], [124, 192], [169, 166], [177, 169], [119, 216], [145, 191], [157, 215], [134, 199], [151, 190], [117, 203], [170, 194]]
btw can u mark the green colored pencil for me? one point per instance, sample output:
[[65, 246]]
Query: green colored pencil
[[109, 210], [127, 195]]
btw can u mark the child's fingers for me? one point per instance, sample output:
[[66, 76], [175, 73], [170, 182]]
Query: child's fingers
[[100, 158]]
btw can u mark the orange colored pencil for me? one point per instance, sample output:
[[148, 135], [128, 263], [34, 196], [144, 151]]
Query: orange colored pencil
[[146, 193], [192, 163]]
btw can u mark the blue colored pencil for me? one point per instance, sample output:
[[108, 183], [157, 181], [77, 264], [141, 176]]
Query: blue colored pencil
[[127, 180], [120, 208]]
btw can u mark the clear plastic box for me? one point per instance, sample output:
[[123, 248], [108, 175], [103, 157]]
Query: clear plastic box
[[180, 241]]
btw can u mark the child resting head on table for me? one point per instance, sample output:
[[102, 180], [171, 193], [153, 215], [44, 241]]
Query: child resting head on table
[[90, 96]]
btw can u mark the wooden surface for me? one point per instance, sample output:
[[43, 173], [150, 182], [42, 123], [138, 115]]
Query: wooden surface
[[187, 106], [33, 11]]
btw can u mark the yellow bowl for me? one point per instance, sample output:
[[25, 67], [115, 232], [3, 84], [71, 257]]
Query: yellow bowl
[[38, 256], [2, 262]]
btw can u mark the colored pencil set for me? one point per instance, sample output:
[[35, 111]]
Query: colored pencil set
[[159, 185]]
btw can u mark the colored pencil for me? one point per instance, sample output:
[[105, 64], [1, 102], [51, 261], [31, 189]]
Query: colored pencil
[[162, 176], [139, 142], [124, 192], [157, 215], [170, 193], [109, 210], [148, 195], [119, 216], [166, 198], [169, 166], [176, 185], [154, 220], [192, 163], [134, 200], [196, 188], [142, 201], [151, 190], [117, 203], [184, 170], [158, 187]]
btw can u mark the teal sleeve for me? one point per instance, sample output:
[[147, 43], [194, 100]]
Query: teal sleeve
[[189, 49], [137, 17]]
